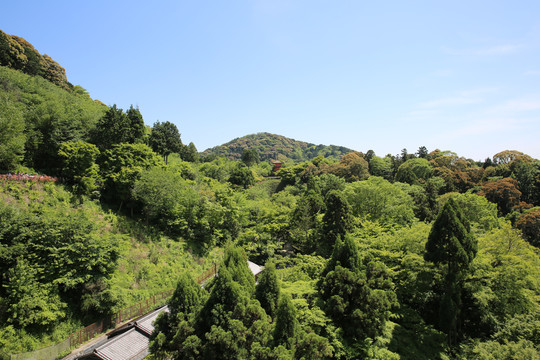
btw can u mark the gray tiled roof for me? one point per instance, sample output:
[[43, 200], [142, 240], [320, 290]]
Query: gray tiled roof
[[146, 323], [131, 345], [255, 269]]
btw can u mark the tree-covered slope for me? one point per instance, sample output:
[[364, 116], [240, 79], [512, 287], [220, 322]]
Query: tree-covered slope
[[276, 147], [19, 54], [36, 116]]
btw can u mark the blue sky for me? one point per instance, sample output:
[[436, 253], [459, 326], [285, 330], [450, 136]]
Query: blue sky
[[454, 75]]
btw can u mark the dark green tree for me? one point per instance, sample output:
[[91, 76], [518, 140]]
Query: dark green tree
[[122, 166], [250, 157], [422, 152], [336, 222], [267, 290], [304, 220], [242, 176], [452, 246], [137, 127], [170, 327], [117, 127], [165, 139], [235, 260], [286, 328], [358, 295], [190, 153]]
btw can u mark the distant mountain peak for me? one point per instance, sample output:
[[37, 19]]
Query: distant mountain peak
[[276, 147]]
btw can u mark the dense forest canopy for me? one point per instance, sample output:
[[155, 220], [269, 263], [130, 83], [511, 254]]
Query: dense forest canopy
[[425, 255], [275, 147]]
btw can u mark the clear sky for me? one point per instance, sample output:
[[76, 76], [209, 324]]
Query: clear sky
[[381, 75]]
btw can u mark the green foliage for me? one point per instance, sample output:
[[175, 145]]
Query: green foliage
[[358, 297], [305, 221], [250, 157], [235, 261], [165, 139], [413, 171], [242, 176], [189, 153], [12, 136], [381, 167], [476, 209], [493, 350], [352, 167], [378, 200], [31, 304], [275, 147], [286, 329], [451, 244], [50, 115], [52, 254], [117, 127], [336, 222], [267, 289], [19, 54], [122, 166], [79, 167]]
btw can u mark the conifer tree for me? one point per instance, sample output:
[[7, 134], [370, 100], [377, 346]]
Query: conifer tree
[[137, 127], [267, 290], [358, 295], [286, 329], [337, 221], [451, 245]]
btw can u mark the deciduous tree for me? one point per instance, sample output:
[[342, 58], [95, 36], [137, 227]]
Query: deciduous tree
[[165, 139]]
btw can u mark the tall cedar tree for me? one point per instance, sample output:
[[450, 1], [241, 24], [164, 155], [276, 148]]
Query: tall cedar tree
[[451, 244], [337, 221], [117, 127], [185, 301], [267, 290], [287, 327], [357, 297]]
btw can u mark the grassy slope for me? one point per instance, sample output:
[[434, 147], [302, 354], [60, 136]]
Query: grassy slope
[[149, 262]]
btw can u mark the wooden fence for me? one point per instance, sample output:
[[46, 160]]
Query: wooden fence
[[88, 333], [128, 313]]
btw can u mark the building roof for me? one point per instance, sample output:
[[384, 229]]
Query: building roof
[[255, 269], [131, 345], [146, 323], [134, 343]]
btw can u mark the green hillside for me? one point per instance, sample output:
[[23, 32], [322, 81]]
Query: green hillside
[[276, 147], [36, 116], [417, 256]]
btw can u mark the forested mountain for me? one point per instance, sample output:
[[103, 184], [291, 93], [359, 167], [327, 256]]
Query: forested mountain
[[275, 147], [425, 255]]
